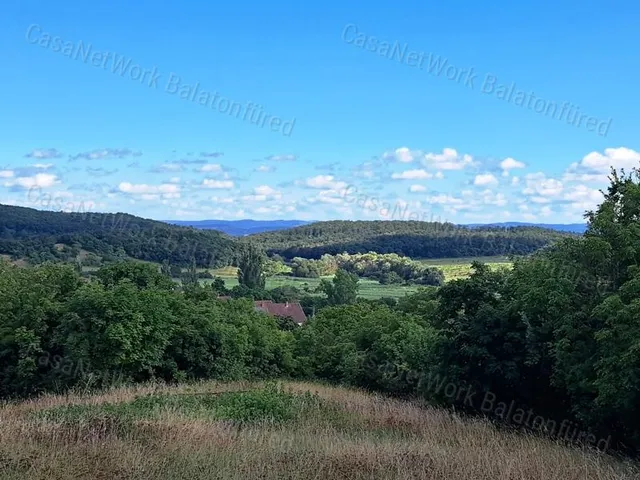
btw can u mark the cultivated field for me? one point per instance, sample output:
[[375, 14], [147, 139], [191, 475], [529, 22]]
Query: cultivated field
[[252, 431]]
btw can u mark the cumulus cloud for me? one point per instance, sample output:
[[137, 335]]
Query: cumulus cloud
[[485, 179], [596, 166], [145, 189], [417, 188], [211, 167], [613, 157], [262, 193], [402, 155], [444, 199], [264, 169], [538, 184], [449, 159], [417, 174], [6, 173], [324, 181], [218, 184], [510, 164], [42, 180]]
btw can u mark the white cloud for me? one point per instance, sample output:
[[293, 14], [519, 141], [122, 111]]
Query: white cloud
[[485, 179], [417, 188], [174, 180], [418, 174], [613, 157], [537, 199], [538, 184], [150, 192], [42, 166], [403, 154], [449, 159], [265, 190], [583, 198], [545, 211], [221, 199], [324, 181], [6, 173], [219, 184], [42, 180], [263, 193], [264, 169], [511, 163], [211, 167], [443, 199]]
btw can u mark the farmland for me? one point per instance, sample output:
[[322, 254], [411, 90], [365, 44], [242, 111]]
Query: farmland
[[453, 268]]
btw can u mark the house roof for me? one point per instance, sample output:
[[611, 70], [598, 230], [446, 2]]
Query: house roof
[[293, 310]]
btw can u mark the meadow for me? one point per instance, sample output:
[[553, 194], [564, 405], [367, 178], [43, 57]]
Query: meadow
[[458, 268], [293, 430], [453, 268]]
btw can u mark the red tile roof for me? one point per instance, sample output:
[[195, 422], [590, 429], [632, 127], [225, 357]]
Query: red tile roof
[[292, 310]]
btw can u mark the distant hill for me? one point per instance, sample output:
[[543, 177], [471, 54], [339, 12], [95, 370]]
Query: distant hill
[[560, 227], [46, 235], [239, 228], [410, 238]]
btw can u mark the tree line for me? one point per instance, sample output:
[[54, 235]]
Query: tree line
[[40, 236], [408, 238]]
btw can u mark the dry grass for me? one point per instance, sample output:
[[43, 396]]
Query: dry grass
[[368, 437]]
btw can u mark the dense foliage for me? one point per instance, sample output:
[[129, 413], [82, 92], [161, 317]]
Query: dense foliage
[[554, 340], [408, 238], [44, 235], [57, 330]]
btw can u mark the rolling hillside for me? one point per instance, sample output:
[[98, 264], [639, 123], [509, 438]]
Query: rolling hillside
[[413, 239], [46, 235]]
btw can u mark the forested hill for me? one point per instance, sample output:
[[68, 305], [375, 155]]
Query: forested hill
[[410, 238], [45, 235]]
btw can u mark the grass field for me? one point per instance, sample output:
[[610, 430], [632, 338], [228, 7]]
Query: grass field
[[251, 431], [453, 268], [370, 289], [457, 268]]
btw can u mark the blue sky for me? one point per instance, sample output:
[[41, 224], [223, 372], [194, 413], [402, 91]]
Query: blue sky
[[461, 111]]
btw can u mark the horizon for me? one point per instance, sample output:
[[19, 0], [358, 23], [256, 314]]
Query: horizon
[[79, 209]]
